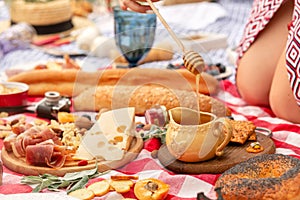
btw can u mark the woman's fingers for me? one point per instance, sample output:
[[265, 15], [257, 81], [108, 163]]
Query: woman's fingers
[[134, 6]]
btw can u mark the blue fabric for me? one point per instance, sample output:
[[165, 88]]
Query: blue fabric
[[232, 25]]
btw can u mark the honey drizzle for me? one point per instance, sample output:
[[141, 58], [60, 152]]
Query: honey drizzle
[[197, 87], [197, 94]]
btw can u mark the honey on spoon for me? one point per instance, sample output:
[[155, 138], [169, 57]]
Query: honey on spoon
[[192, 60]]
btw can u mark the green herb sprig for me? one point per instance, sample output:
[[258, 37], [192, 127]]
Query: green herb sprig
[[155, 131], [70, 181]]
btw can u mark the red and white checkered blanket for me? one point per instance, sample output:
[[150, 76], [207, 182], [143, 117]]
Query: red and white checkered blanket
[[285, 136]]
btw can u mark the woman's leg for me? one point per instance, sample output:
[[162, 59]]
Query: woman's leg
[[282, 100], [257, 66]]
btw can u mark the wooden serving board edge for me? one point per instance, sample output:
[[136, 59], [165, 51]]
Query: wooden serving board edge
[[216, 165], [19, 165]]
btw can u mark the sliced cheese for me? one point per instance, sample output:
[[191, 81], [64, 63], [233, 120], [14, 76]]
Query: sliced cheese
[[82, 154], [98, 145], [118, 126], [110, 136]]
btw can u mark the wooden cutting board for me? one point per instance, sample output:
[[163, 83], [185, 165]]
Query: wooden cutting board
[[233, 154], [19, 164]]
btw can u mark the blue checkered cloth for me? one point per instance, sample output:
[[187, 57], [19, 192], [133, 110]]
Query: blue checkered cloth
[[231, 25]]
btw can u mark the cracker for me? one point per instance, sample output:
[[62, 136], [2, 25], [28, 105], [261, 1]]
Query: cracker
[[242, 130], [121, 186], [83, 194], [253, 136], [100, 188]]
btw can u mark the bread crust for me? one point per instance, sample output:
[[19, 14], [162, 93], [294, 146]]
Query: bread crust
[[269, 176], [144, 97], [70, 82], [136, 87]]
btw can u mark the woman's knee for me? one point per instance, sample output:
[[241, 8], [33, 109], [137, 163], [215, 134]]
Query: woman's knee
[[285, 107], [251, 93], [252, 84], [282, 100]]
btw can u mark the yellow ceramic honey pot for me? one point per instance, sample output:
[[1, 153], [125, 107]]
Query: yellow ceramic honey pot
[[194, 136]]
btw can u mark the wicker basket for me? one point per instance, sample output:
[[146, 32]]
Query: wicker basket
[[40, 13]]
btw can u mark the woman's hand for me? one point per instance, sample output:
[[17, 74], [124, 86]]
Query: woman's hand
[[135, 5]]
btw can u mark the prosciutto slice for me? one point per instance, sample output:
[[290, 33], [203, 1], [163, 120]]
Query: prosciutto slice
[[38, 154], [32, 136], [17, 148], [57, 160], [8, 141], [37, 136], [40, 147], [46, 154]]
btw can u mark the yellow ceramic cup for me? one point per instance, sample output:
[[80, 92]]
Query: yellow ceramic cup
[[194, 136]]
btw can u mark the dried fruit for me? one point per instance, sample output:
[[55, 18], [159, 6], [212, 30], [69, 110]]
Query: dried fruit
[[82, 163], [65, 117], [152, 144], [151, 189], [255, 147]]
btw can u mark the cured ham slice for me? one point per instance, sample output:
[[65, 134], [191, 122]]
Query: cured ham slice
[[8, 141], [39, 154], [17, 148], [57, 160], [45, 154], [32, 136], [41, 143], [40, 146]]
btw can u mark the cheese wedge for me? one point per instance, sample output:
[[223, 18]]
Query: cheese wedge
[[110, 136], [118, 126], [82, 154]]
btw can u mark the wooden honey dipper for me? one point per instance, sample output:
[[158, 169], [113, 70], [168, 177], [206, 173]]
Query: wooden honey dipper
[[192, 60]]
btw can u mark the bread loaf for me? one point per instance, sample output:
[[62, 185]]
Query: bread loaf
[[143, 97], [157, 53], [71, 82], [136, 87]]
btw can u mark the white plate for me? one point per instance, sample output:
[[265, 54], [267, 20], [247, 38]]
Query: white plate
[[63, 50]]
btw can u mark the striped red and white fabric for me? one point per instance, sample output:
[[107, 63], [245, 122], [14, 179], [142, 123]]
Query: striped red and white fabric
[[285, 135], [261, 13]]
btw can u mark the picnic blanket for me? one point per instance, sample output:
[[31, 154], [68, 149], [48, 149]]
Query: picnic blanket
[[186, 186], [285, 134]]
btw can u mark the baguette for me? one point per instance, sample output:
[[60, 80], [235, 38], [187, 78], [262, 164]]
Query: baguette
[[70, 82], [143, 97], [158, 53]]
